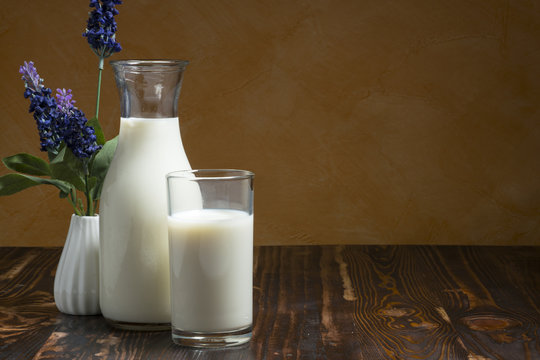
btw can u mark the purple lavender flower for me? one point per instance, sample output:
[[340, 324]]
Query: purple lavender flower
[[101, 28], [57, 121], [71, 123], [43, 107], [64, 99], [30, 76]]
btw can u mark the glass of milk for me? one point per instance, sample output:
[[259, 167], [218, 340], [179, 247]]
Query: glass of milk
[[211, 256]]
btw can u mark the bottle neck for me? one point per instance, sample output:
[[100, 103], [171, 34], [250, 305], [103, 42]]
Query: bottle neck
[[149, 88]]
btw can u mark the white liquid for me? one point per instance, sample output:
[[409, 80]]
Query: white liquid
[[211, 269], [134, 256]]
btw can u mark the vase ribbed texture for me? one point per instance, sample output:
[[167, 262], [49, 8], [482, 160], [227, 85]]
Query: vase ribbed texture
[[76, 284]]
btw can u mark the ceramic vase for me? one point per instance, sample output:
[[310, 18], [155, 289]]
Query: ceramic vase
[[76, 284]]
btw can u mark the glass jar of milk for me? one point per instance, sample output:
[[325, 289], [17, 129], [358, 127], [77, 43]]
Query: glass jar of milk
[[134, 258]]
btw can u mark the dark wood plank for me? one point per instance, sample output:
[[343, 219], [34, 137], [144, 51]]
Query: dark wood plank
[[492, 304], [397, 310], [27, 310], [313, 302], [417, 302]]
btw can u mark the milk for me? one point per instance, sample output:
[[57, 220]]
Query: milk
[[134, 261], [211, 270]]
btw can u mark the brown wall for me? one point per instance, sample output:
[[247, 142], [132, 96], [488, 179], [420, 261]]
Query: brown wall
[[364, 121]]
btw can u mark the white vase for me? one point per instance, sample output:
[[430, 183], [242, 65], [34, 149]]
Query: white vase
[[76, 284]]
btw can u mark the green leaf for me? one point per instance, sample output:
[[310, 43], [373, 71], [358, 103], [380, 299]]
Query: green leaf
[[67, 167], [13, 183], [100, 137], [101, 164], [27, 164]]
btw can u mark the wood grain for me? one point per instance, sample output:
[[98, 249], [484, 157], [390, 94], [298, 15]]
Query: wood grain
[[313, 302]]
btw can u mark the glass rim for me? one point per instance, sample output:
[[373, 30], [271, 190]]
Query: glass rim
[[148, 63], [210, 174]]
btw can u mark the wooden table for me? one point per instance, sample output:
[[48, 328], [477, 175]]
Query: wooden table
[[313, 302]]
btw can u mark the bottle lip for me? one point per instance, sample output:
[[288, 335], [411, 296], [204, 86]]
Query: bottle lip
[[150, 64]]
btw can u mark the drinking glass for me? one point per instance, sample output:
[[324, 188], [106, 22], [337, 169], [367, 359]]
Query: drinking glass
[[210, 222]]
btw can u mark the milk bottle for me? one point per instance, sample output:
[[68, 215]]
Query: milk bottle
[[134, 259]]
